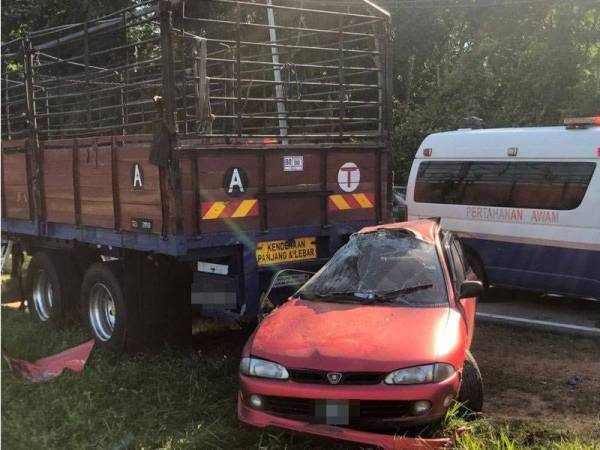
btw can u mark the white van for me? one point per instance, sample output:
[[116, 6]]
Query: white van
[[525, 202]]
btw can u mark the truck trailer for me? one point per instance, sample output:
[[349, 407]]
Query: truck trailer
[[173, 155]]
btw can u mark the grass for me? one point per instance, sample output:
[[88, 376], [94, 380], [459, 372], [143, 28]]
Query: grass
[[175, 399]]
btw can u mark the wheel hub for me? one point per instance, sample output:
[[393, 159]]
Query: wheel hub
[[43, 295], [102, 312]]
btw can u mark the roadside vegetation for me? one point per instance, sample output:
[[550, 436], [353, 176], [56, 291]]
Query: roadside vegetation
[[185, 399]]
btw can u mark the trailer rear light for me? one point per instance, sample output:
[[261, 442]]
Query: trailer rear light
[[427, 152], [582, 122]]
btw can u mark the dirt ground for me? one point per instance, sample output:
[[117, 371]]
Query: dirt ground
[[540, 377]]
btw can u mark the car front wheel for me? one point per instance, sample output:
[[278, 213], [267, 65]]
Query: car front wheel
[[470, 396]]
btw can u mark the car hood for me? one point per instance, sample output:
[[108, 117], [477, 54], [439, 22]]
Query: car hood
[[349, 337]]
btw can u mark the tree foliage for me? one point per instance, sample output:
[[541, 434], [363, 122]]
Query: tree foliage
[[22, 16], [523, 63]]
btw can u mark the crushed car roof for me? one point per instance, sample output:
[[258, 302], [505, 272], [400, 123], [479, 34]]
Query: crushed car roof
[[424, 229]]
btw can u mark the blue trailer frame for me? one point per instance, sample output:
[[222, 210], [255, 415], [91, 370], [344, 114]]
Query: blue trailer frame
[[192, 248]]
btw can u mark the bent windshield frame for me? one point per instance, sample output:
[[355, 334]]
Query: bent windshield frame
[[392, 267]]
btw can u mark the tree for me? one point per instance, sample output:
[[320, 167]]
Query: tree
[[513, 64], [22, 16]]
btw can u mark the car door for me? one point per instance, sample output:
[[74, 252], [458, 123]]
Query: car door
[[461, 272]]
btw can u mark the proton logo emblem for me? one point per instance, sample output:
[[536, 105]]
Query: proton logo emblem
[[334, 377]]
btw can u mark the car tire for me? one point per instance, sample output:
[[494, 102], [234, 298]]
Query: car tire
[[52, 286], [103, 306], [470, 396]]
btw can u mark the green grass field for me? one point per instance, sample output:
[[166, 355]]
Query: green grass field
[[175, 399]]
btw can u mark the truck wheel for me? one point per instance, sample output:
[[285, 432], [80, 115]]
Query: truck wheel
[[103, 305], [471, 389], [52, 285]]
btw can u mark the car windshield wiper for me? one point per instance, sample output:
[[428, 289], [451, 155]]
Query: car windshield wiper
[[385, 296], [336, 297]]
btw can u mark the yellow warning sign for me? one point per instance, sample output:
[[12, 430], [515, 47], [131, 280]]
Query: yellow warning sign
[[282, 252]]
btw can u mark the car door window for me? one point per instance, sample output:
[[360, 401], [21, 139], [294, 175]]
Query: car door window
[[461, 265], [454, 252]]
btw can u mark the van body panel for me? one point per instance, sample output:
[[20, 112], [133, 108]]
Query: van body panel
[[552, 250]]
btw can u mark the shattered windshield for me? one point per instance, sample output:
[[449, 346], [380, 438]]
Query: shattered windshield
[[385, 266]]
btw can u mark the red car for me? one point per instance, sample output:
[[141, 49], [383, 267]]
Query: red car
[[375, 342]]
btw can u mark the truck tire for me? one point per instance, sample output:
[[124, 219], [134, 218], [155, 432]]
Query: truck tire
[[103, 305], [52, 285], [470, 395]]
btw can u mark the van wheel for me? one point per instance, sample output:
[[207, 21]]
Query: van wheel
[[52, 286], [470, 396], [103, 306]]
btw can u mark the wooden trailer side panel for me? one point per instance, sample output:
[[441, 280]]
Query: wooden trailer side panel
[[189, 196], [226, 206], [352, 179], [249, 189], [288, 200], [141, 207], [94, 161], [15, 189], [57, 180]]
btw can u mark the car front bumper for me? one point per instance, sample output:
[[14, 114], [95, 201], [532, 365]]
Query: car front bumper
[[436, 393]]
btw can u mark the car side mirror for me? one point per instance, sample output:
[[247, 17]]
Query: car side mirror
[[471, 288]]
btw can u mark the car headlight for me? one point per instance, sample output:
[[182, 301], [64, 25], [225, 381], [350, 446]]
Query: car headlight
[[255, 367], [430, 373]]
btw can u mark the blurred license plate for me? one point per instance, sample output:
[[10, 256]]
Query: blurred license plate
[[333, 412], [292, 250]]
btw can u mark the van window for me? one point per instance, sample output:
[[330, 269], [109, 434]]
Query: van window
[[518, 184]]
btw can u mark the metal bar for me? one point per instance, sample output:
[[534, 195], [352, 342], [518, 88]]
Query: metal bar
[[6, 111], [238, 69], [262, 204], [196, 195], [378, 186], [33, 141], [324, 198], [269, 5], [281, 112], [169, 98], [300, 10], [309, 83], [30, 174], [297, 47], [3, 187], [341, 80], [359, 103], [346, 119], [114, 162], [168, 69], [76, 183], [182, 55]]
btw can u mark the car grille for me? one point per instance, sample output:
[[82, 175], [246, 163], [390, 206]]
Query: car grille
[[348, 378], [298, 408], [364, 410]]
